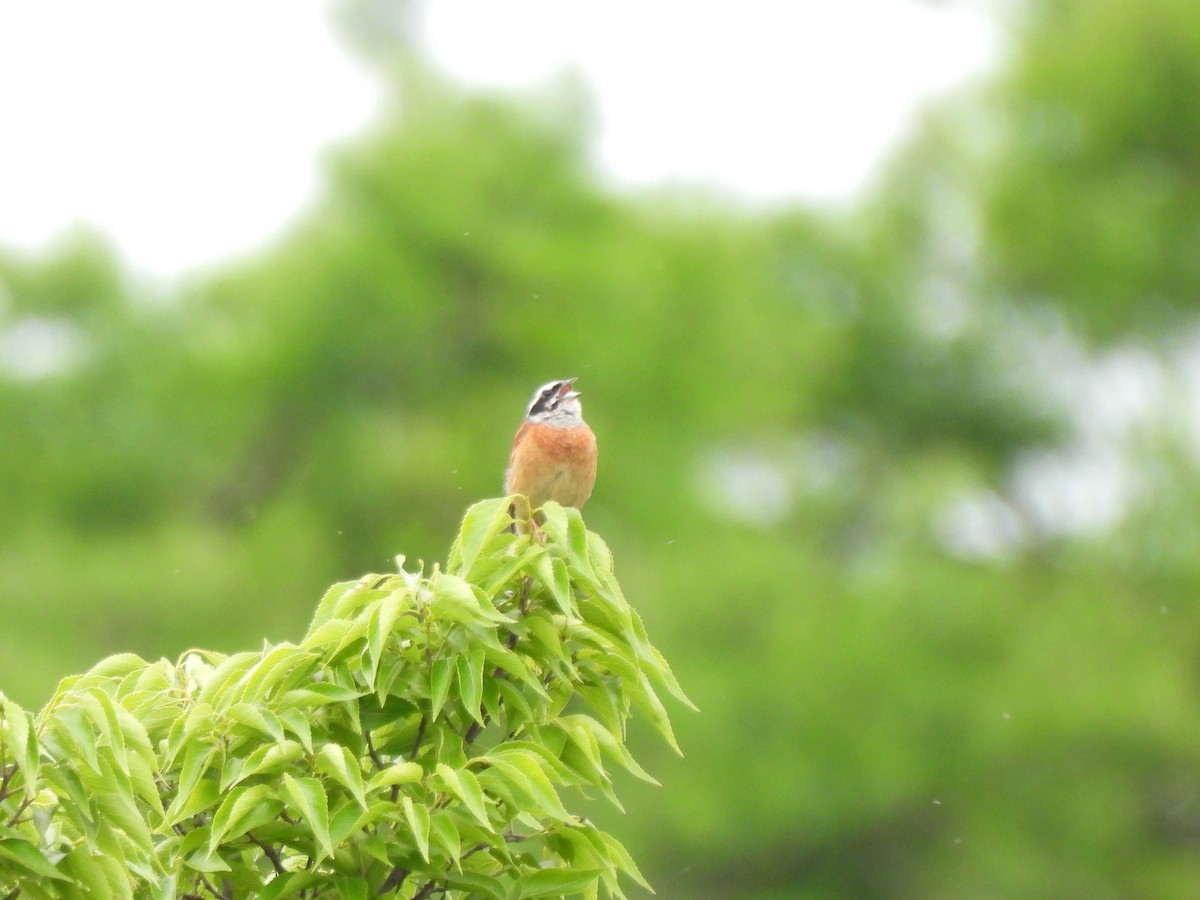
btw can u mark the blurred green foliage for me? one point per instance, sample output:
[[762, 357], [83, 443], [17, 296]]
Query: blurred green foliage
[[789, 407]]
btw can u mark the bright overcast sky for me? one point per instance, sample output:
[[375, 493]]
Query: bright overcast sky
[[192, 131]]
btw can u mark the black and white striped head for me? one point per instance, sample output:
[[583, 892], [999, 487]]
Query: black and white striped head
[[555, 403]]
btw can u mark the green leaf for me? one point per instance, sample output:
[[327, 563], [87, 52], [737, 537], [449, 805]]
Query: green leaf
[[582, 754], [117, 809], [307, 800], [454, 600], [603, 698], [352, 887], [524, 771], [621, 858], [598, 552], [519, 710], [383, 619], [319, 693], [202, 798], [268, 758], [647, 701], [295, 721], [259, 719], [289, 884], [349, 817], [564, 525], [330, 600], [476, 883], [29, 858], [614, 749], [439, 684], [496, 579], [340, 764], [226, 677], [276, 664], [558, 882], [88, 872], [470, 681], [334, 633], [116, 666], [662, 672], [82, 737], [201, 720], [463, 784], [417, 817], [445, 835], [551, 571], [398, 773], [243, 809], [67, 784], [207, 861], [101, 712], [546, 641], [17, 736], [483, 522]]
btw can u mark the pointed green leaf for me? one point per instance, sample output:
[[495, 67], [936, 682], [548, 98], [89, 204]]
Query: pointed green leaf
[[271, 670], [478, 884], [439, 684], [72, 719], [444, 833], [558, 882], [29, 858], [551, 572], [398, 773], [470, 681], [307, 799], [417, 816], [339, 763], [454, 600], [463, 784], [18, 737], [383, 619], [483, 522], [524, 772], [259, 719], [88, 872], [243, 809]]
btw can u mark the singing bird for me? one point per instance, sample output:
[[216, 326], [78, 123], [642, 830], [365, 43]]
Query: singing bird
[[554, 452]]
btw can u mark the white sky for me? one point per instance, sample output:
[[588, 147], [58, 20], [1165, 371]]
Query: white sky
[[190, 131]]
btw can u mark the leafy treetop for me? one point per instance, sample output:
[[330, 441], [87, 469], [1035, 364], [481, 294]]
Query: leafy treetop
[[424, 737]]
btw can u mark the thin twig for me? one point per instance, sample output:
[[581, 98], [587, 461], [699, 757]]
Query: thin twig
[[16, 817], [271, 852], [420, 737], [394, 880], [373, 753]]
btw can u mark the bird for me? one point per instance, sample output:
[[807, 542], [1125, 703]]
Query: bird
[[554, 451]]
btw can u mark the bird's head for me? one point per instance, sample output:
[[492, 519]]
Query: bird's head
[[555, 403]]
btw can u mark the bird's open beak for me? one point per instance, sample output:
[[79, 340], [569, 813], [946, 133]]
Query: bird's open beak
[[565, 391]]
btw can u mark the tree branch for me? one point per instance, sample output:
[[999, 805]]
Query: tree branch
[[394, 880], [271, 852], [16, 817]]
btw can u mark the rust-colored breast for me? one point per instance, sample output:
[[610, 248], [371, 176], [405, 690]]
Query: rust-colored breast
[[550, 463]]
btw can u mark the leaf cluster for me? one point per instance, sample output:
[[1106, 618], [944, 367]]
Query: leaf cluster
[[426, 736]]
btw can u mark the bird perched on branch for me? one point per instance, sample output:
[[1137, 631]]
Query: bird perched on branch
[[554, 452]]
